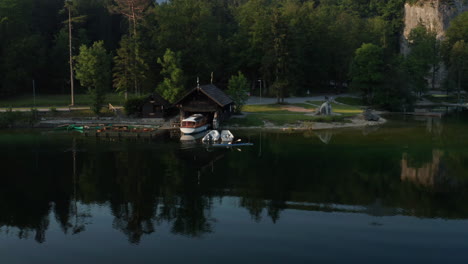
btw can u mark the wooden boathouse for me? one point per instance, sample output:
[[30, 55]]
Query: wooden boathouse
[[208, 100]]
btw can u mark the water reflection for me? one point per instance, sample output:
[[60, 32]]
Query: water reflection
[[325, 135], [427, 174], [148, 185]]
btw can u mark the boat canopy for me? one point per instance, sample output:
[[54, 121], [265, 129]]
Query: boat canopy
[[193, 118]]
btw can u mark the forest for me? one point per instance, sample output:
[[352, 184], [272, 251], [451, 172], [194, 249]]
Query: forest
[[290, 47]]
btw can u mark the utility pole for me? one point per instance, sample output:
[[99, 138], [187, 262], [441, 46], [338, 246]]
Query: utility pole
[[34, 92], [260, 81], [70, 53]]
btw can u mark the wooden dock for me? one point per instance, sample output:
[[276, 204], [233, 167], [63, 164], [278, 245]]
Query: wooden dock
[[123, 134]]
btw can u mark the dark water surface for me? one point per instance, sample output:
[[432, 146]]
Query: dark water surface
[[398, 193]]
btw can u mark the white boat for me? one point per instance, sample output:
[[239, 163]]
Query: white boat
[[194, 124], [226, 136], [211, 137]]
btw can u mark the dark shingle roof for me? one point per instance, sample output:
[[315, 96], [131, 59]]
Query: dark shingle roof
[[213, 92], [216, 94], [158, 99]]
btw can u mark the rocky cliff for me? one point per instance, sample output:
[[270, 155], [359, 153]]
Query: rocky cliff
[[434, 14]]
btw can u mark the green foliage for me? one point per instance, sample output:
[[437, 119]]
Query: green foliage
[[396, 93], [8, 118], [12, 118], [130, 70], [238, 90], [459, 64], [172, 85], [457, 31], [53, 100], [422, 56], [367, 70], [292, 46], [455, 53], [133, 105], [93, 71]]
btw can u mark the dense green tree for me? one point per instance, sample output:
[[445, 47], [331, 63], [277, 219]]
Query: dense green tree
[[367, 70], [293, 46], [280, 34], [421, 57], [238, 88], [454, 51], [395, 93], [172, 85], [93, 70], [130, 55], [459, 64], [130, 69], [457, 31]]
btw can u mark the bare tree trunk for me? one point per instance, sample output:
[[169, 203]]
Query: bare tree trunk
[[71, 57], [135, 47], [459, 81]]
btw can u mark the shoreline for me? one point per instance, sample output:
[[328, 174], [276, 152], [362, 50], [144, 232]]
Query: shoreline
[[355, 122]]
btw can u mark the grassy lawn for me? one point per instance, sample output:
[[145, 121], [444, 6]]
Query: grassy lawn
[[349, 101], [306, 106], [273, 113], [441, 98], [58, 100], [29, 118], [248, 121], [342, 109], [76, 113], [267, 109], [274, 108], [282, 119]]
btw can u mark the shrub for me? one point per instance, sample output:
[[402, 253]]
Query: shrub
[[133, 105]]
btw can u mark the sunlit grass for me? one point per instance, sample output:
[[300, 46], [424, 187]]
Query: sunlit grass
[[269, 108], [306, 106]]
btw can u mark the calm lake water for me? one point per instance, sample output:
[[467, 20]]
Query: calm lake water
[[397, 193]]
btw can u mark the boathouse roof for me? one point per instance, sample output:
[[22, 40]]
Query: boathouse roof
[[213, 92], [158, 99]]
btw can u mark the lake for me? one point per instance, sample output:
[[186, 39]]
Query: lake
[[395, 193]]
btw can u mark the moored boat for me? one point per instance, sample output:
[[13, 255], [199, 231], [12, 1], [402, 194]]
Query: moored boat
[[226, 136], [211, 137], [194, 124]]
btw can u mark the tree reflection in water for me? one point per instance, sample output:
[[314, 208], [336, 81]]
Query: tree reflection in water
[[147, 185]]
